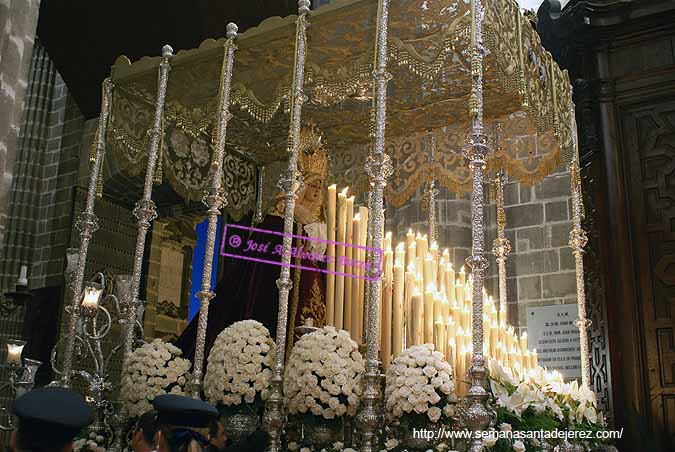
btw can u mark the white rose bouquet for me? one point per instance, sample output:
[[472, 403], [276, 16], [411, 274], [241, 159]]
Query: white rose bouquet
[[240, 365], [419, 387], [90, 443], [152, 369], [323, 375]]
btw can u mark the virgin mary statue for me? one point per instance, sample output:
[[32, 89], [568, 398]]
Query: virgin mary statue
[[248, 289]]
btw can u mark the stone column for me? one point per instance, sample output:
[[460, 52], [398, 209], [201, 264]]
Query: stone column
[[18, 21]]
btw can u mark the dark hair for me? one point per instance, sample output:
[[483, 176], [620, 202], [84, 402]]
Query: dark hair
[[180, 439], [147, 424], [35, 436]]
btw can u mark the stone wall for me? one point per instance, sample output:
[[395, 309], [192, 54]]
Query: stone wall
[[453, 220], [18, 21], [40, 208], [540, 268]]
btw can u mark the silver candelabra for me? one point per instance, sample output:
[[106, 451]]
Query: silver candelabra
[[99, 309], [21, 379]]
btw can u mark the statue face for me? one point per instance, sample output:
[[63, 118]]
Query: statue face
[[312, 192]]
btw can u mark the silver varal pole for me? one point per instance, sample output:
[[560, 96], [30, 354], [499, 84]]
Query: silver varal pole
[[379, 168], [501, 246], [87, 224], [290, 182], [260, 178], [578, 240], [215, 200], [145, 210], [477, 416], [430, 190]]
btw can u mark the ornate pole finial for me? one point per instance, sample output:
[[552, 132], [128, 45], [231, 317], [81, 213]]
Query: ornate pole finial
[[231, 30], [303, 6], [214, 198], [290, 182], [167, 51]]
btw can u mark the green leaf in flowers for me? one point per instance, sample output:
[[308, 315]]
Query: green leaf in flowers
[[538, 421], [504, 415]]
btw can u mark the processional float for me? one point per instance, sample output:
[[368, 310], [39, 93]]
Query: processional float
[[363, 68]]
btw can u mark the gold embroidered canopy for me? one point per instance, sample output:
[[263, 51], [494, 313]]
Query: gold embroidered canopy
[[430, 91]]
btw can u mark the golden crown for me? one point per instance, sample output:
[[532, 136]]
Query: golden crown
[[312, 156]]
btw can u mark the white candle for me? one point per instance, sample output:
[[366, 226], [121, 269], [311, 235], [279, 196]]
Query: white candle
[[14, 350], [91, 296], [23, 276], [523, 342], [429, 314], [330, 254], [340, 252], [349, 255], [397, 316]]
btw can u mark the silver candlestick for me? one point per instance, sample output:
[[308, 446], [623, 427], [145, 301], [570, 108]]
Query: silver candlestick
[[96, 315], [290, 181], [21, 378]]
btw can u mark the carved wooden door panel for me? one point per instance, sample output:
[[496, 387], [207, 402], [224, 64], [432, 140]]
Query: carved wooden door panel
[[649, 148]]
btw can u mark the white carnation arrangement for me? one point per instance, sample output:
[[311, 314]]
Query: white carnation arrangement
[[240, 365], [323, 375], [92, 443], [153, 369], [420, 383]]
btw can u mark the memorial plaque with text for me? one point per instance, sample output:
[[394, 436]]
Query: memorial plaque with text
[[551, 331]]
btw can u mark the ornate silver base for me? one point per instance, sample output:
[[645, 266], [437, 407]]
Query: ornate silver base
[[477, 415], [566, 446], [322, 434], [274, 418], [409, 441], [370, 415], [240, 425]]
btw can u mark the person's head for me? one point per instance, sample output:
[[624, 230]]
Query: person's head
[[312, 192], [179, 421], [217, 436], [143, 436], [49, 419]]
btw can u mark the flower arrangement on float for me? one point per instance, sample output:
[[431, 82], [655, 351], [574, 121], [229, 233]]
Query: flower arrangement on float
[[337, 446], [89, 443], [538, 400], [420, 393], [153, 369], [322, 382], [238, 375]]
